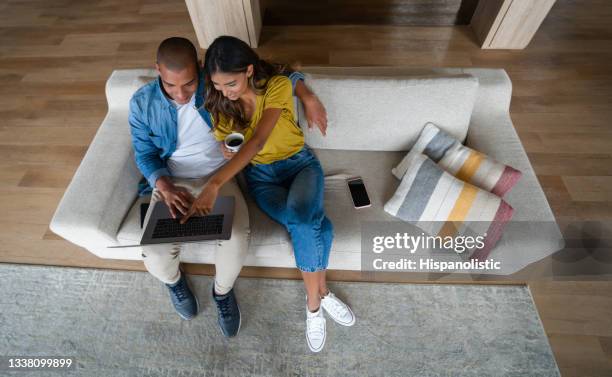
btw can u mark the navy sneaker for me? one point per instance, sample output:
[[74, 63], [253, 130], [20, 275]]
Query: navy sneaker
[[228, 312], [185, 303]]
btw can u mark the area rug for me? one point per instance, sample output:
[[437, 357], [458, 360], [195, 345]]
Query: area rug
[[121, 323]]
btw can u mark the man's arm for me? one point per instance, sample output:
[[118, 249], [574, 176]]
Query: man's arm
[[146, 152], [316, 115], [152, 166]]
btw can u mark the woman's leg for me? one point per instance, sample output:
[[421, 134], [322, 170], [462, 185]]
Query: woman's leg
[[311, 231], [323, 290], [327, 234], [312, 282], [296, 201], [316, 287]]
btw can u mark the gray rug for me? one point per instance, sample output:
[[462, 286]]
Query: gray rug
[[118, 323]]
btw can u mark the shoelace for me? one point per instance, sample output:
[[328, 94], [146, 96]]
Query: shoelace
[[315, 327], [180, 291], [224, 307], [337, 307]]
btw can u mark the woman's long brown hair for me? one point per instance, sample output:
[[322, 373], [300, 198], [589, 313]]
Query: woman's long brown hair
[[231, 55]]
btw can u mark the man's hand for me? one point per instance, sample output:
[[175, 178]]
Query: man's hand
[[316, 115], [315, 111], [204, 203], [177, 198]]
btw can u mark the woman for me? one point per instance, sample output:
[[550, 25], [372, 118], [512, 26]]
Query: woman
[[245, 94]]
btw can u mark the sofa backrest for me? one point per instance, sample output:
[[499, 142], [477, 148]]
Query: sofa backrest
[[123, 83], [369, 108], [387, 113]]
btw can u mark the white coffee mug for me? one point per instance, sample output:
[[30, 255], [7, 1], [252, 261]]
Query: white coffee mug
[[234, 141]]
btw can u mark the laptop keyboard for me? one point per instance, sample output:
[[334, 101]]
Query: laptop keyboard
[[195, 226]]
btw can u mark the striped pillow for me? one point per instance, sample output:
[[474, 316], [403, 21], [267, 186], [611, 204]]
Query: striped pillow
[[443, 205], [461, 161]]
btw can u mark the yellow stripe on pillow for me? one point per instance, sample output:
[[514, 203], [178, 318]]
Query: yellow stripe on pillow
[[463, 203], [470, 166]]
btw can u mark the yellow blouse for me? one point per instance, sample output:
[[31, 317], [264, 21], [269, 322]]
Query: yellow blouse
[[286, 138]]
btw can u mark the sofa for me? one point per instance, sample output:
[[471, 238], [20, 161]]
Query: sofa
[[375, 114]]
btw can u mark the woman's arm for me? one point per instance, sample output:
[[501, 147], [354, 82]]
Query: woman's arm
[[246, 153], [206, 200]]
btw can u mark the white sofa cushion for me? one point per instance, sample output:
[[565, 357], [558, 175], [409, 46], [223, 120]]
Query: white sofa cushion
[[378, 113]]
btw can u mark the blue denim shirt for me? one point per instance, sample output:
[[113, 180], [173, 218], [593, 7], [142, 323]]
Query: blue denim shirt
[[153, 125]]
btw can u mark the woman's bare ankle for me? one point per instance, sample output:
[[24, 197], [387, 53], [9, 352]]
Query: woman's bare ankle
[[313, 303]]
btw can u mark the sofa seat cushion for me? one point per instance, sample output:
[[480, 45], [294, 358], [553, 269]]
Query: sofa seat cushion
[[522, 243], [373, 166]]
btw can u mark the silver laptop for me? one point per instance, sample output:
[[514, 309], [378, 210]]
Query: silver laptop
[[162, 228]]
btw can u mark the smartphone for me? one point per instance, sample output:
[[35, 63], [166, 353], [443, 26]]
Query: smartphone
[[358, 192]]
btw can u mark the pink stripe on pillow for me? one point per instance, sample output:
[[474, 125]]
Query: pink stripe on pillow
[[507, 180], [494, 233], [461, 161]]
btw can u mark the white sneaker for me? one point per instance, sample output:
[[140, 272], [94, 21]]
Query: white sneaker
[[338, 310], [315, 330]]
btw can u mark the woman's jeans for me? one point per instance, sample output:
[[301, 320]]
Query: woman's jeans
[[290, 191]]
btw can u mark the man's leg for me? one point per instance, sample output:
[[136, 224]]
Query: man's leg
[[230, 254], [162, 261], [229, 258]]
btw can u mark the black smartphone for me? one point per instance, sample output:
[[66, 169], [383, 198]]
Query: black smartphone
[[358, 192]]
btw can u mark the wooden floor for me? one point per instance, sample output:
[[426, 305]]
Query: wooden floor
[[369, 12], [55, 56]]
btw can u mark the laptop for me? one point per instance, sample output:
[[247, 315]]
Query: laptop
[[162, 228]]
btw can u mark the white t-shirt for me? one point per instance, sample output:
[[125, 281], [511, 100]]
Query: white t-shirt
[[197, 152]]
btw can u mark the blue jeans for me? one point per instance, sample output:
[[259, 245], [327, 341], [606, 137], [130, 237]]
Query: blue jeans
[[290, 191]]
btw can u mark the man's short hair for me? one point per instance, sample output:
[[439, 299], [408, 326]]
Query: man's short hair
[[177, 53]]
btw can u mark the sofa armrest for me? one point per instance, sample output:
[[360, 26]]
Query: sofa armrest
[[102, 189], [495, 136]]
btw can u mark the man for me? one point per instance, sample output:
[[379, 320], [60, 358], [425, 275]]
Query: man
[[176, 152]]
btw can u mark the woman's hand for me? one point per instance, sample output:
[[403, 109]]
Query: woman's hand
[[204, 203], [227, 154]]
